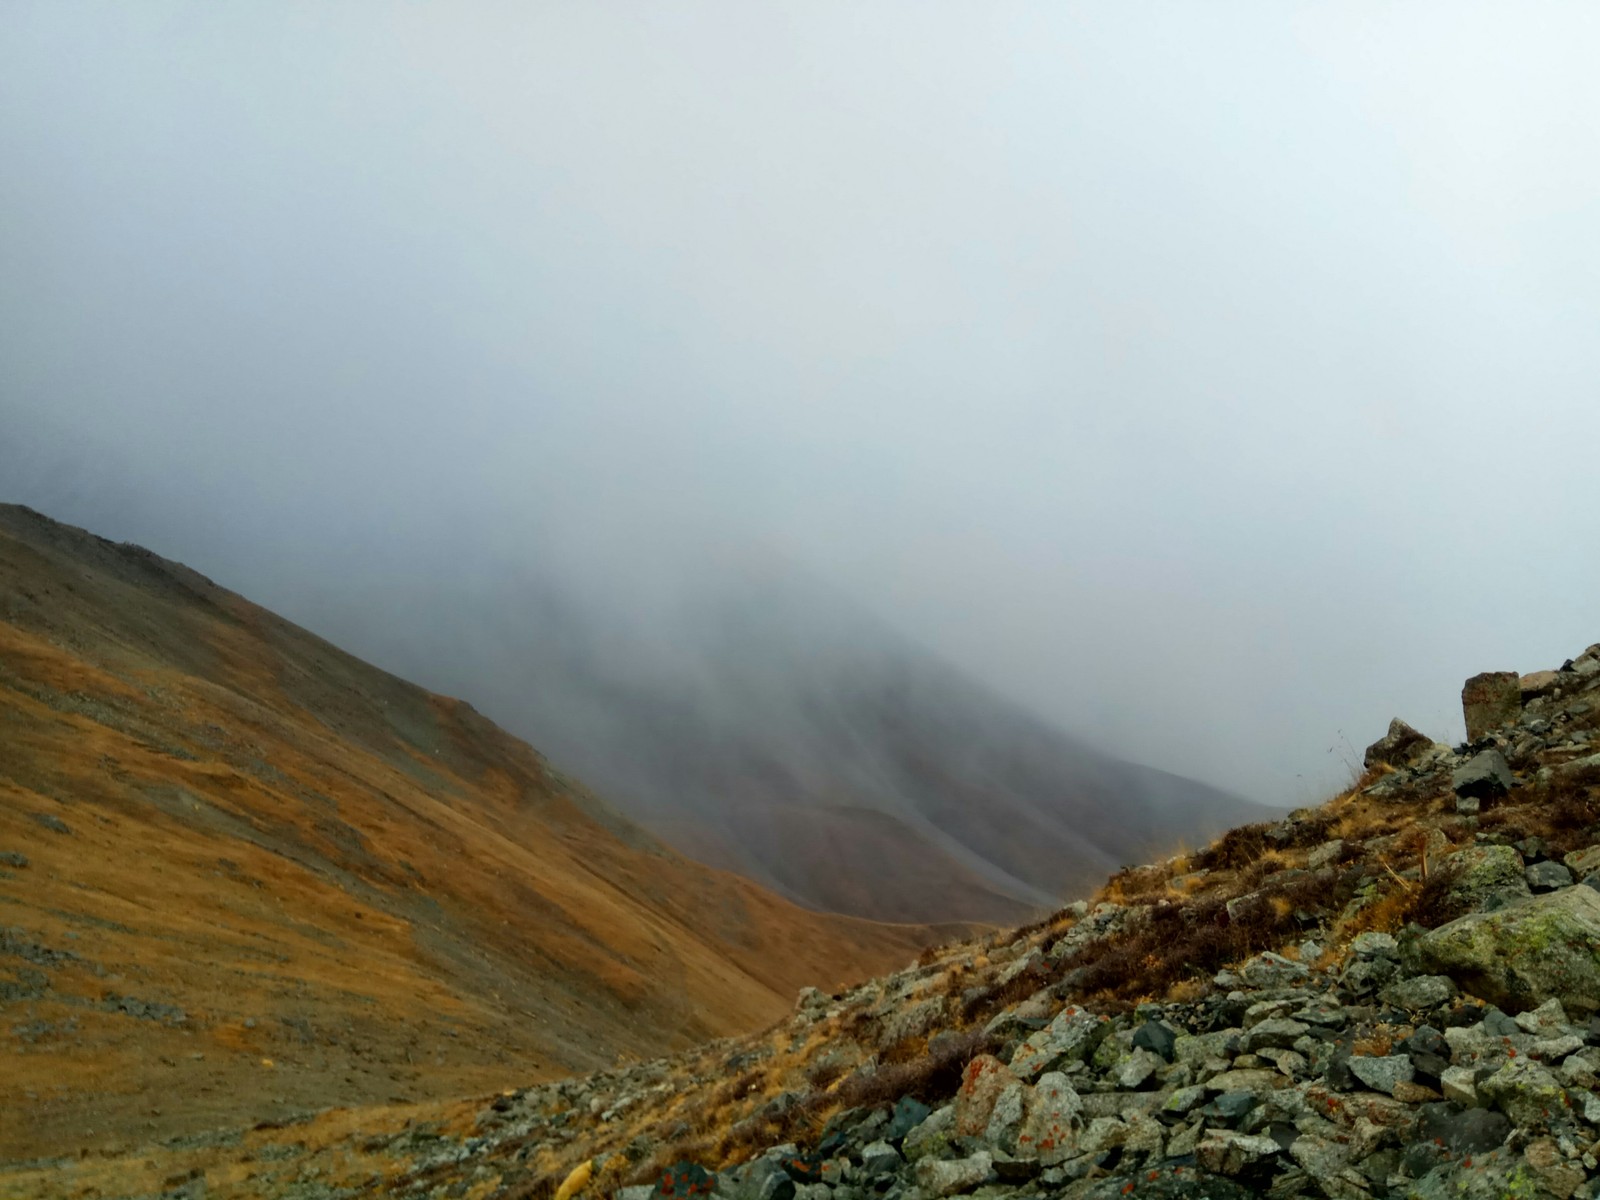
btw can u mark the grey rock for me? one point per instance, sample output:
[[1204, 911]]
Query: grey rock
[[1525, 1091], [52, 823], [1547, 876], [1053, 1122], [880, 1158], [1230, 1107], [1490, 701], [1522, 955], [932, 1136], [11, 858], [1400, 747], [1269, 970], [1550, 1017], [1325, 855], [1321, 1157], [1483, 776], [1382, 1074], [771, 1183], [1072, 1036], [1554, 1049], [1582, 862], [1485, 873], [1184, 1100], [1155, 1037], [1375, 945], [949, 1177], [1226, 1152], [1137, 1069], [1419, 992], [1006, 1120], [909, 1113], [1460, 1085], [1279, 1033]]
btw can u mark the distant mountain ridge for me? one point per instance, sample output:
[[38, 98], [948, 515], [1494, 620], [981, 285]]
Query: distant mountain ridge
[[769, 726]]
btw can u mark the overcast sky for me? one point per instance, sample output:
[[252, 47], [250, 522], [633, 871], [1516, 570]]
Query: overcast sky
[[1218, 379]]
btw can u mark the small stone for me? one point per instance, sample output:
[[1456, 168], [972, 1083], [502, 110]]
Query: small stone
[[947, 1177], [909, 1113], [1547, 876], [1006, 1120], [1103, 1133], [1375, 945], [1137, 1069], [1155, 1037], [931, 1136], [1554, 1049], [1226, 1152], [1230, 1107], [52, 823], [1325, 855], [1550, 1017], [1184, 1100], [1581, 862], [1409, 1091], [1525, 1091], [1483, 874], [1475, 1131], [880, 1158], [1459, 1084], [1419, 992], [1279, 1033], [1547, 1161], [11, 858], [1381, 1074], [1269, 970], [1321, 1157]]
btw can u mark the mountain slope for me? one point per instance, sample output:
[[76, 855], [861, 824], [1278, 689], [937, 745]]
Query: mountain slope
[[766, 725], [243, 873], [1392, 994]]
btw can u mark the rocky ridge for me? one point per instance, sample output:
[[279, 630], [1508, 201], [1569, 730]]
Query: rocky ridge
[[1392, 995]]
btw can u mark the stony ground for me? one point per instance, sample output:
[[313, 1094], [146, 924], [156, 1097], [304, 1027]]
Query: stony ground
[[1393, 995]]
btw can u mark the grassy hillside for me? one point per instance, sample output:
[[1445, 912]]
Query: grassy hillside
[[244, 874]]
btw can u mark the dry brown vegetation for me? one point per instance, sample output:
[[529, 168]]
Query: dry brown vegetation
[[355, 891]]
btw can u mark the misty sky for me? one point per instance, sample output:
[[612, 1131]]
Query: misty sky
[[1220, 380]]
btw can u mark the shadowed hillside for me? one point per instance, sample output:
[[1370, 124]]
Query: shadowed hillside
[[244, 874]]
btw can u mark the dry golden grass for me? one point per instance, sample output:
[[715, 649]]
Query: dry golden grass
[[368, 887]]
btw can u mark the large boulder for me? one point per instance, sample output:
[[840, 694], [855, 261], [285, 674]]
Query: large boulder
[[1526, 953], [1486, 876], [1538, 683], [1491, 701], [1400, 747], [1484, 776]]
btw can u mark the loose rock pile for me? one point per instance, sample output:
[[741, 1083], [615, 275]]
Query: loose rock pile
[[1457, 1061]]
